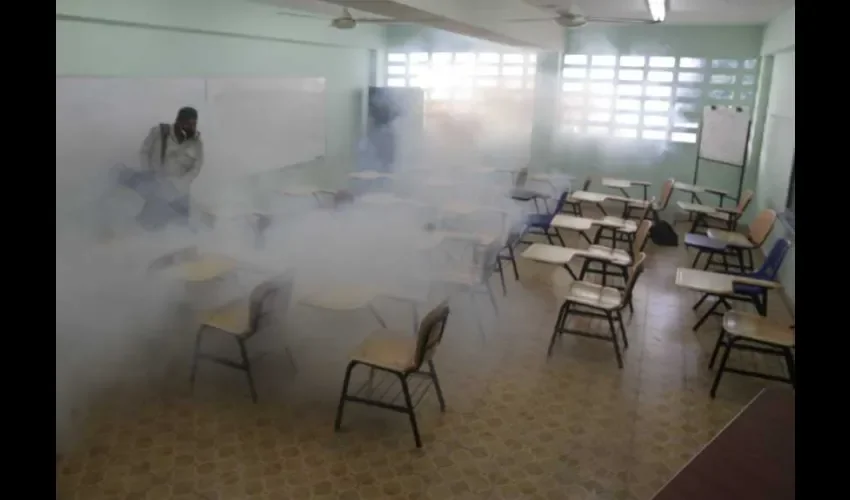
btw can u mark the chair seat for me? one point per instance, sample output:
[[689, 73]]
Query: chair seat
[[704, 242], [539, 220], [524, 194], [571, 222], [633, 203], [724, 216], [730, 237], [754, 327], [593, 295], [233, 318], [618, 223], [387, 349], [614, 255]]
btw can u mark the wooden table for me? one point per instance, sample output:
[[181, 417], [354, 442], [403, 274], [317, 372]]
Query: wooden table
[[751, 459]]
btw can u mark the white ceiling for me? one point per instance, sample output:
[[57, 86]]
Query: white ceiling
[[724, 12], [487, 18]]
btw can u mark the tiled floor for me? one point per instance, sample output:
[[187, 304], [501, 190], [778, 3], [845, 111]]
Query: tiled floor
[[517, 425]]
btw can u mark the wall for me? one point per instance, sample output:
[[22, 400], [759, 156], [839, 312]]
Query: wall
[[778, 140], [130, 38], [224, 38], [647, 160], [650, 160]]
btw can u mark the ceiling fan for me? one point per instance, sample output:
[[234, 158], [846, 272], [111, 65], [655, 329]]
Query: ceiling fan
[[569, 18], [346, 21]]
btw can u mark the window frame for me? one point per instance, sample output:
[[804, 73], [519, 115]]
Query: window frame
[[683, 114], [789, 216]]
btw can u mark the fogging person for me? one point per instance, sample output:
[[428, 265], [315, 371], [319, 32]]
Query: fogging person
[[171, 158]]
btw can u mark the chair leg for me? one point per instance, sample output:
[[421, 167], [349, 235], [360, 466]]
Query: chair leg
[[437, 386], [501, 272], [721, 368], [622, 330], [562, 319], [341, 406], [699, 302], [717, 347], [614, 339], [742, 263], [247, 366], [696, 259], [561, 239], [410, 411], [513, 262], [195, 356], [377, 316], [792, 370]]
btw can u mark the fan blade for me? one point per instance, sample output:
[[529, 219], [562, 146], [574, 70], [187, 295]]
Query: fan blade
[[620, 20], [308, 16], [531, 20], [393, 21]]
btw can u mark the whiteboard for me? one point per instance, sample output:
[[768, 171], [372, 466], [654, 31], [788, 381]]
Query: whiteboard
[[261, 124], [724, 134]]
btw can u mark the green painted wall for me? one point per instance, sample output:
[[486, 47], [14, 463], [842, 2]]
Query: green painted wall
[[649, 160], [645, 160], [225, 38]]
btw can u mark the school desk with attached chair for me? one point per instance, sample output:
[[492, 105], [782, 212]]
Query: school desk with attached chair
[[695, 191], [732, 244], [587, 299], [623, 185], [750, 288], [655, 205], [717, 217]]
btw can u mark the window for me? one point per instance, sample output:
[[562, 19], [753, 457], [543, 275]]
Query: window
[[451, 75], [462, 87], [657, 98], [790, 214]]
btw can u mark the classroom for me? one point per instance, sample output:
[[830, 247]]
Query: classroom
[[411, 249]]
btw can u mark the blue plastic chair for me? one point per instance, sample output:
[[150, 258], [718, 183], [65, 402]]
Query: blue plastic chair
[[754, 294], [542, 223]]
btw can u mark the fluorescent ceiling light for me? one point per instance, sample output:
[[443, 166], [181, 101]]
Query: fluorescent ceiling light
[[657, 9]]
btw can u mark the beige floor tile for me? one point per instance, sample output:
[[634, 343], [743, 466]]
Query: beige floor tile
[[518, 425]]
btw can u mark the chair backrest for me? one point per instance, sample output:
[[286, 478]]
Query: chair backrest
[[173, 258], [266, 295], [744, 202], [559, 207], [430, 334], [521, 177], [666, 193], [761, 226], [634, 273], [769, 269], [641, 236]]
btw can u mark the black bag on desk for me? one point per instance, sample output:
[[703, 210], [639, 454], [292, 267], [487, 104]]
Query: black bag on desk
[[662, 233]]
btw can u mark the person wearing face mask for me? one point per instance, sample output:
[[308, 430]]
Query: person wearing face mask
[[171, 156]]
